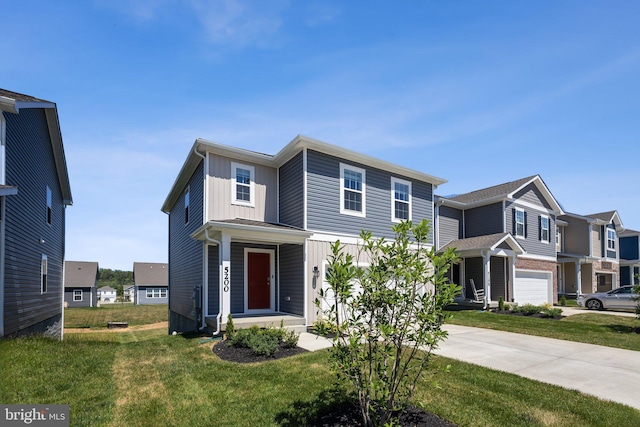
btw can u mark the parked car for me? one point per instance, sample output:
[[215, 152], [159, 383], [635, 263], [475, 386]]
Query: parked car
[[622, 297]]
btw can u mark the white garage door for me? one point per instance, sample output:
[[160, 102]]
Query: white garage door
[[533, 287]]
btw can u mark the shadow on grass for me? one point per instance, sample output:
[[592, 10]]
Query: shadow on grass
[[306, 413], [624, 329]]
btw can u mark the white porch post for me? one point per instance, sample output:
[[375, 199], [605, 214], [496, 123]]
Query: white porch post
[[225, 276], [578, 279], [487, 279], [512, 276]]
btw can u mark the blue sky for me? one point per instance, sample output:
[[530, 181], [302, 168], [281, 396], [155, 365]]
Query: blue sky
[[478, 93]]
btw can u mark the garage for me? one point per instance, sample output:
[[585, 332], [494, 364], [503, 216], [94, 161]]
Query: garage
[[533, 287]]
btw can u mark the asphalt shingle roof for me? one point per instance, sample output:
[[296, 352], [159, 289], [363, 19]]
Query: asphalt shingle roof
[[80, 274], [490, 192], [20, 96], [151, 273], [472, 243]]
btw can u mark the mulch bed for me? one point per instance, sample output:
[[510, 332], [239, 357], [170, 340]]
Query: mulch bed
[[246, 355], [537, 315], [348, 415]]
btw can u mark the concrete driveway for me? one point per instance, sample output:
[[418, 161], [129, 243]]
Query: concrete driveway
[[605, 372], [569, 311]]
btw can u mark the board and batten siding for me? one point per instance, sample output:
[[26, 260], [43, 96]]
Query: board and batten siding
[[483, 220], [291, 182], [323, 199], [30, 166], [185, 253], [291, 269], [220, 188], [532, 243], [449, 225]]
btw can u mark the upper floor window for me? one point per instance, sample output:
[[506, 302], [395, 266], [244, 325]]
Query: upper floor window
[[43, 273], [242, 184], [519, 223], [400, 200], [544, 228], [49, 205], [611, 239], [187, 197], [352, 194]]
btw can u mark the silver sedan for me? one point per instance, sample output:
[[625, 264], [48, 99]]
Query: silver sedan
[[622, 297]]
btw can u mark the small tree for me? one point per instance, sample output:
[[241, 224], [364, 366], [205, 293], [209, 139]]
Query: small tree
[[388, 316]]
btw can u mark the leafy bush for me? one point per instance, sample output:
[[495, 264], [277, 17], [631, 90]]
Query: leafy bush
[[230, 328], [500, 303], [551, 312], [264, 342], [563, 300], [527, 309], [324, 328]]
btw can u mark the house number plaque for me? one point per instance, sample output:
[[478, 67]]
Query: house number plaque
[[225, 279]]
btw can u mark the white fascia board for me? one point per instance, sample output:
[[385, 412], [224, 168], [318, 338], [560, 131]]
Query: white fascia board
[[8, 104], [236, 153], [512, 242], [253, 233]]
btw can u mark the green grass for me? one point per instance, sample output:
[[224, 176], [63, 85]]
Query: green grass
[[98, 317], [591, 328], [144, 378]]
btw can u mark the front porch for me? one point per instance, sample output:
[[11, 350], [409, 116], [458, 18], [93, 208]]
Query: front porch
[[244, 321]]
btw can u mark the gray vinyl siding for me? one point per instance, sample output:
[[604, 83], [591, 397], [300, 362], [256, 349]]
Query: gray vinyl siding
[[483, 220], [89, 297], [213, 270], [531, 194], [576, 236], [473, 269], [291, 268], [142, 299], [498, 279], [449, 225], [291, 182], [30, 166], [323, 198], [532, 243], [186, 253], [237, 273]]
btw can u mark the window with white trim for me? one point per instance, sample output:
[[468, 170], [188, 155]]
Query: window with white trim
[[187, 201], [43, 274], [352, 190], [77, 295], [49, 205], [400, 200], [611, 239], [242, 184], [156, 293], [544, 228], [519, 222]]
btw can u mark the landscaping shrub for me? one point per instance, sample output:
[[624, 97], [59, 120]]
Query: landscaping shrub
[[500, 303], [552, 312], [263, 342], [527, 309], [563, 300], [230, 329]]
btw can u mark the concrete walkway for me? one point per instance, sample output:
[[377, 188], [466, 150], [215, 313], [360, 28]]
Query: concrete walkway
[[569, 311], [605, 372]]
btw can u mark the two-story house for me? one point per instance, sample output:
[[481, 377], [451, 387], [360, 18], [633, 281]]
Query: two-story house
[[34, 192], [80, 284], [629, 257], [151, 282], [588, 252], [505, 236], [107, 294], [250, 233]]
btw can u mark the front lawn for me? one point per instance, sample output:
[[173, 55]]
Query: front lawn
[[590, 328], [144, 378], [98, 317]]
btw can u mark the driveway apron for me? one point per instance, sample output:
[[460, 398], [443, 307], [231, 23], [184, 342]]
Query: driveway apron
[[608, 373]]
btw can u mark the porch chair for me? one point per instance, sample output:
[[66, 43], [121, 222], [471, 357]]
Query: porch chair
[[478, 294]]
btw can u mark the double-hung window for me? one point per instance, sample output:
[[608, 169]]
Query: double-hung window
[[519, 222], [156, 292], [242, 184], [611, 239], [400, 200], [77, 295], [352, 192], [43, 275], [544, 228]]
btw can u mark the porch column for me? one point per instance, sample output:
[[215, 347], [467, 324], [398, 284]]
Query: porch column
[[487, 279], [578, 279], [512, 276], [225, 277]]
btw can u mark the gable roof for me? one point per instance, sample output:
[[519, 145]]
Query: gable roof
[[602, 218], [13, 102], [628, 232], [80, 274], [106, 289], [489, 242], [300, 142], [501, 192], [151, 273]]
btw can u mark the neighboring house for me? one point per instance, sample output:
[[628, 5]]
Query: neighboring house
[[129, 293], [629, 257], [250, 233], [151, 283], [80, 284], [34, 192], [505, 236], [107, 294], [588, 253]]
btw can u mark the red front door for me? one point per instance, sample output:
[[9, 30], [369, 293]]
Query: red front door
[[259, 278]]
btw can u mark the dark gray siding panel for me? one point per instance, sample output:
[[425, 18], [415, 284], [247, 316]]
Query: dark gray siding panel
[[629, 247], [30, 166], [142, 296], [87, 300], [532, 243], [291, 184], [186, 253], [214, 280], [625, 275], [483, 220], [498, 279], [237, 273], [323, 198], [473, 269], [292, 279], [449, 224], [531, 194]]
